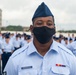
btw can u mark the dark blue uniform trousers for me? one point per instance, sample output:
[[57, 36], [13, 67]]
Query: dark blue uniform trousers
[[5, 57]]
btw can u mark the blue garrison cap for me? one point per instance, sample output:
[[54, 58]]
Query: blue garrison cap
[[28, 37], [7, 36], [42, 11], [17, 35]]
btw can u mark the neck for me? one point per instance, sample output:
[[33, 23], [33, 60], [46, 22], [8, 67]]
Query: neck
[[42, 48], [7, 42]]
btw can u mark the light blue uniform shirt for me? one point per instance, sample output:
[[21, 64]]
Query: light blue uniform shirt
[[27, 61], [1, 52], [72, 47], [17, 43], [23, 42], [7, 47], [1, 43]]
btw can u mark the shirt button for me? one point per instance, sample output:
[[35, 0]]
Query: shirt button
[[44, 59]]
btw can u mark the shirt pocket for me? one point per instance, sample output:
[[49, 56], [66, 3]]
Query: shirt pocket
[[28, 72], [60, 70]]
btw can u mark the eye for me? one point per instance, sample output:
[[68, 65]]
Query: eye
[[39, 23], [49, 24]]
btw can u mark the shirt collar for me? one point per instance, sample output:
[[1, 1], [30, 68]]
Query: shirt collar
[[32, 49], [54, 46]]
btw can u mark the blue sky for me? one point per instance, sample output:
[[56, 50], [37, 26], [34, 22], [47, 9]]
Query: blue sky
[[20, 12]]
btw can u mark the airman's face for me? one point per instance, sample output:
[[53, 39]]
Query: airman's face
[[43, 21], [7, 40]]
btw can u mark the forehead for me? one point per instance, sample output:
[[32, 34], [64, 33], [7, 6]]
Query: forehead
[[50, 18]]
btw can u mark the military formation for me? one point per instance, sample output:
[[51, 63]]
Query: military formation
[[9, 43], [69, 41]]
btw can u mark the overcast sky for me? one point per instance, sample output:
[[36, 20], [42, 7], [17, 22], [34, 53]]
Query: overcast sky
[[20, 12]]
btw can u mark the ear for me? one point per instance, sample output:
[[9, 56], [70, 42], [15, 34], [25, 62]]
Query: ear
[[31, 28], [55, 29]]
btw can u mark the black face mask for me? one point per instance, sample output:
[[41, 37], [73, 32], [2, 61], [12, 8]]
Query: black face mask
[[43, 34]]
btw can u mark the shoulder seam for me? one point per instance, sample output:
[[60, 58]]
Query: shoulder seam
[[66, 51], [20, 52]]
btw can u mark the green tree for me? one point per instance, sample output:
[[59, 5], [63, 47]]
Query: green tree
[[14, 28]]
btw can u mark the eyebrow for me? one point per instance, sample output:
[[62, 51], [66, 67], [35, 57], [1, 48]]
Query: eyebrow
[[47, 20], [39, 20], [50, 21]]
